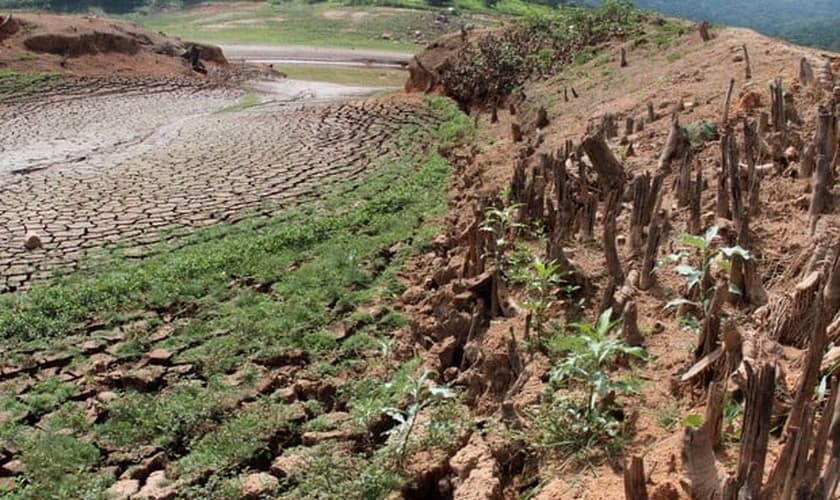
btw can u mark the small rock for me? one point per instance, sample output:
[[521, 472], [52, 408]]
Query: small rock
[[157, 487], [258, 484], [387, 36], [159, 356], [144, 378], [313, 438], [123, 489], [738, 58], [13, 467], [286, 394], [106, 396], [292, 465], [100, 362], [32, 241], [144, 469]]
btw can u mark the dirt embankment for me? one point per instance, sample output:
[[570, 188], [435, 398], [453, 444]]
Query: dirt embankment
[[90, 45], [481, 348]]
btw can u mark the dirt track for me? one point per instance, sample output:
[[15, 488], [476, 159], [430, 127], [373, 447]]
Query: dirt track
[[98, 163]]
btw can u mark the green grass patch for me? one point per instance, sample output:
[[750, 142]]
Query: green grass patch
[[249, 100], [259, 289], [17, 83], [236, 441], [361, 77]]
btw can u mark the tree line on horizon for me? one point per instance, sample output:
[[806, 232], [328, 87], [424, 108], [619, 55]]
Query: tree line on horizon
[[813, 23]]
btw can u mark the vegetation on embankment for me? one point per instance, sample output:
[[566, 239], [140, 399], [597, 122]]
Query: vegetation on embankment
[[178, 352], [486, 68], [16, 83]]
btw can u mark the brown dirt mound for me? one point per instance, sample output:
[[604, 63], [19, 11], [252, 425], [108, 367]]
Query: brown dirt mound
[[424, 68], [90, 45], [74, 46], [8, 26]]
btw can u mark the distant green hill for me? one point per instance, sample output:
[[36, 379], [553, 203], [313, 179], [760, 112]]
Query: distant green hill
[[807, 22]]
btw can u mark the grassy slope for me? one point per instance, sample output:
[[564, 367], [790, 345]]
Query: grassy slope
[[257, 289], [321, 25]]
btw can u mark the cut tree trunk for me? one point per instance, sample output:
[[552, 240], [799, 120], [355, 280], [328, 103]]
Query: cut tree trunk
[[810, 373], [755, 434], [634, 480], [542, 117], [821, 194], [748, 68], [604, 162], [704, 31], [676, 146], [630, 326], [702, 478], [613, 208], [647, 278], [727, 102], [695, 223], [777, 108], [806, 73]]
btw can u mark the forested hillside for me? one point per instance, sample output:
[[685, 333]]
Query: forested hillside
[[806, 22]]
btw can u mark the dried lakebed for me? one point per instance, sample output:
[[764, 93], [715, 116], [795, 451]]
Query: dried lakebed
[[97, 162]]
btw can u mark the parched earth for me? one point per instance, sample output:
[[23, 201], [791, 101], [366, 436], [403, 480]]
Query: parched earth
[[98, 161]]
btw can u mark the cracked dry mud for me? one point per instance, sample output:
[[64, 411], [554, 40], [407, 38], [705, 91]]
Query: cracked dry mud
[[96, 162]]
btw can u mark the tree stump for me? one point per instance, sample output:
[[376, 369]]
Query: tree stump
[[806, 73], [704, 31], [634, 480]]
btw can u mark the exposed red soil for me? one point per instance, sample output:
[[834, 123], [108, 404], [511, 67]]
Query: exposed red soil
[[692, 76], [94, 46]]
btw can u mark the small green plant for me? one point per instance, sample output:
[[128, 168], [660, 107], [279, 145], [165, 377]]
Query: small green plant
[[544, 284], [503, 225], [421, 395], [668, 417], [249, 100], [585, 418], [590, 355], [732, 410], [698, 275]]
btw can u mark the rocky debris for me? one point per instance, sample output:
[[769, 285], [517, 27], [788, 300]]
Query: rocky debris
[[143, 379], [258, 484], [144, 469], [159, 356], [316, 437], [122, 489], [157, 487], [100, 362], [290, 466], [323, 390], [13, 467], [32, 241], [476, 475]]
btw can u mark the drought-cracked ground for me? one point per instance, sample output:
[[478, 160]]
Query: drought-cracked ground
[[97, 162]]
